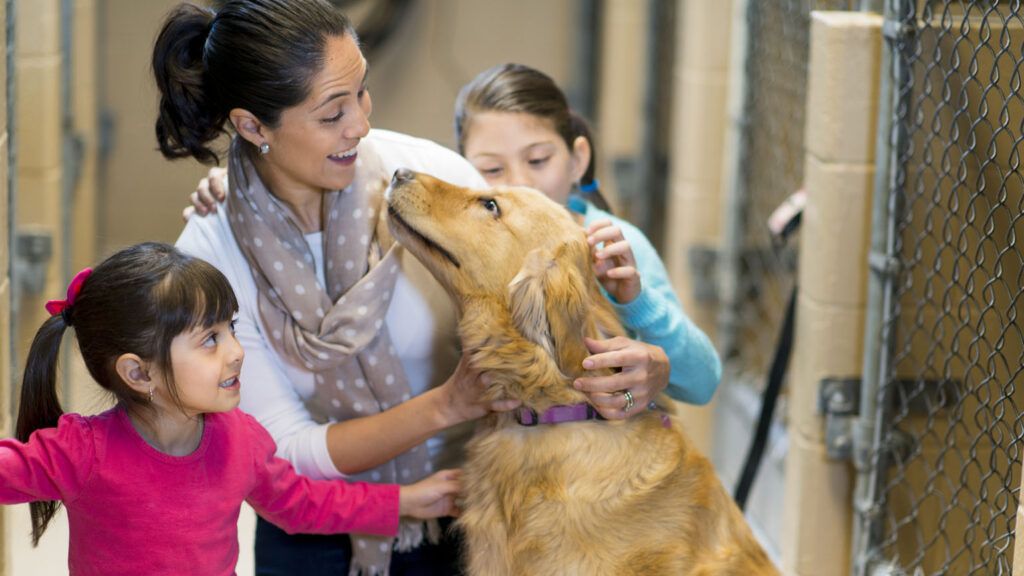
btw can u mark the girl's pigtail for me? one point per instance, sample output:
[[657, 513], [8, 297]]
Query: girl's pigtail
[[39, 406]]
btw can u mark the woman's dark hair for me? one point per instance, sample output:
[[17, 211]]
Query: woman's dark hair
[[519, 88], [137, 301], [258, 55]]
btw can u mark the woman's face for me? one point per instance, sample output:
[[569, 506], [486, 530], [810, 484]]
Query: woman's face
[[520, 149], [314, 145]]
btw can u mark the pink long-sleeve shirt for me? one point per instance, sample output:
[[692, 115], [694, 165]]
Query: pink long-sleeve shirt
[[135, 510]]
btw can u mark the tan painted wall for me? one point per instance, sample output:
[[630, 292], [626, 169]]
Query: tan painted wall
[[695, 181], [845, 58], [413, 82], [6, 426]]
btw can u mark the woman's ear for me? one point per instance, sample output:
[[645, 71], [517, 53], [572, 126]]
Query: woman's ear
[[581, 155], [134, 371], [248, 126]]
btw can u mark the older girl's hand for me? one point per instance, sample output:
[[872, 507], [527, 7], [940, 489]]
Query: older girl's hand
[[463, 395], [614, 262], [210, 191], [643, 374]]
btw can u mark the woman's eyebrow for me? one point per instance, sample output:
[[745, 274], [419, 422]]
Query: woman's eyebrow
[[343, 93]]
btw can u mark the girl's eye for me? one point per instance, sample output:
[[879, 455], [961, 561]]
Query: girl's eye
[[491, 205], [362, 91], [210, 341], [539, 161], [490, 172], [232, 326]]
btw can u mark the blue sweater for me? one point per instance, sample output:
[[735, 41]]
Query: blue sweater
[[656, 317]]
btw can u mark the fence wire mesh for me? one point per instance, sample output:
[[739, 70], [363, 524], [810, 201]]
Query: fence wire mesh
[[948, 461], [770, 169]]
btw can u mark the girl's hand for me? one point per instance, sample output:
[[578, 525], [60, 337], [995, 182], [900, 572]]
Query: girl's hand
[[644, 371], [614, 262], [210, 191], [463, 395], [432, 497]]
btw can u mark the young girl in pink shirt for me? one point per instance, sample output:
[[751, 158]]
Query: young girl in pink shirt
[[155, 484]]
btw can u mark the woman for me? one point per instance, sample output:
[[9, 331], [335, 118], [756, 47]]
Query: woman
[[347, 339]]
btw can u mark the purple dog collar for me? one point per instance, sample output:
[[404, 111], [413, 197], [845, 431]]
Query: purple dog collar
[[557, 414]]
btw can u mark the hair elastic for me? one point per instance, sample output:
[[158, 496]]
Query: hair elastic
[[592, 186], [63, 307]]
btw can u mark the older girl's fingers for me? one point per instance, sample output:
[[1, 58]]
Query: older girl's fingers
[[622, 273]]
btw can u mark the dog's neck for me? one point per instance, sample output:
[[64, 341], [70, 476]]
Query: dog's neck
[[519, 368]]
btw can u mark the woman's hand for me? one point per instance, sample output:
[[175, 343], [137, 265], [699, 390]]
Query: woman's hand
[[614, 262], [463, 395], [643, 373], [432, 497], [210, 191]]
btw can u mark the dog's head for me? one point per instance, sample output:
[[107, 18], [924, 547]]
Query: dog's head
[[517, 265]]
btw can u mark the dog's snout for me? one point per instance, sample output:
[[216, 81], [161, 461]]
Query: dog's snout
[[402, 175]]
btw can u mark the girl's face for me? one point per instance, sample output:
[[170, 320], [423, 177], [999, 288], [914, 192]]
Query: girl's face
[[313, 146], [520, 149], [206, 363]]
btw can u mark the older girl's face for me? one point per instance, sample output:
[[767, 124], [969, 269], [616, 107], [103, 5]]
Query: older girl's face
[[520, 149], [314, 144]]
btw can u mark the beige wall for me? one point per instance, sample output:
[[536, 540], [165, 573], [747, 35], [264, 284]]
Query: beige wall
[[842, 90], [413, 81], [6, 427]]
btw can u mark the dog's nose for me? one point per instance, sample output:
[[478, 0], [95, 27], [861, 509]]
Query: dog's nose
[[402, 175]]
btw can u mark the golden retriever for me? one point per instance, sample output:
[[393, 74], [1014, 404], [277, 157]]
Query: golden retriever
[[589, 497]]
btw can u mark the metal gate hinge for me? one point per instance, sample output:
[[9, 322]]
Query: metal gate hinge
[[839, 402]]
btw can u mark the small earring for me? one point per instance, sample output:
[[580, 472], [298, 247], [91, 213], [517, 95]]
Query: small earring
[[265, 148], [151, 394]]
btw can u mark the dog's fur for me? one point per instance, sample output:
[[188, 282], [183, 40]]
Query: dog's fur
[[586, 498]]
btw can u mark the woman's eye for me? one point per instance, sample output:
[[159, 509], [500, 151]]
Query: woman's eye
[[332, 119], [491, 205]]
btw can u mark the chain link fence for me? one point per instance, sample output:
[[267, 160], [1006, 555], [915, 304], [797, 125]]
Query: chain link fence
[[771, 167], [947, 463]]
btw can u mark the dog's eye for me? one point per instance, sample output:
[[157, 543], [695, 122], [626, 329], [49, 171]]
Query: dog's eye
[[491, 205]]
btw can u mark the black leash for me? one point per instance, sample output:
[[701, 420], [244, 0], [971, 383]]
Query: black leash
[[780, 362], [782, 223]]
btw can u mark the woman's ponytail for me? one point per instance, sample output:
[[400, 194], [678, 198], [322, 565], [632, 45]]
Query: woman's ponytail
[[189, 119], [39, 406]]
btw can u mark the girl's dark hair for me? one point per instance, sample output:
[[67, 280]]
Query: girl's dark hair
[[258, 55], [137, 301], [519, 88]]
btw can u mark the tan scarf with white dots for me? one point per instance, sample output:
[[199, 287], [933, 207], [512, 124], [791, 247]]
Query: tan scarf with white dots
[[335, 331]]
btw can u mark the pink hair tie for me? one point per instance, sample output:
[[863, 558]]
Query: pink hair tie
[[62, 307]]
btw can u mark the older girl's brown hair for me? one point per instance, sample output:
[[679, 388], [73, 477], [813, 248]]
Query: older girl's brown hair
[[519, 88]]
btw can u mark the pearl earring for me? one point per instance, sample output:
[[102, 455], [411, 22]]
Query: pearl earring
[[264, 148]]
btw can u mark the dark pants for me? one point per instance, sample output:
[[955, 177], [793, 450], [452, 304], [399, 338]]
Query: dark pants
[[281, 554]]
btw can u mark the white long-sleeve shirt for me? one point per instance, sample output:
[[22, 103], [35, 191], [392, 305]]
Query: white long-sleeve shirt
[[421, 319]]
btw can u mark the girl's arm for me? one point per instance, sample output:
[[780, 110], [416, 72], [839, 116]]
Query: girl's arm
[[299, 504], [657, 317], [54, 464], [654, 314]]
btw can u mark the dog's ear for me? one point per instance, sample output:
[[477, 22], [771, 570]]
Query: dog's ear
[[549, 301]]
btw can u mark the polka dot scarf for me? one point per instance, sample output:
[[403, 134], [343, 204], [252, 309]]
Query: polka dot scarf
[[335, 331]]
